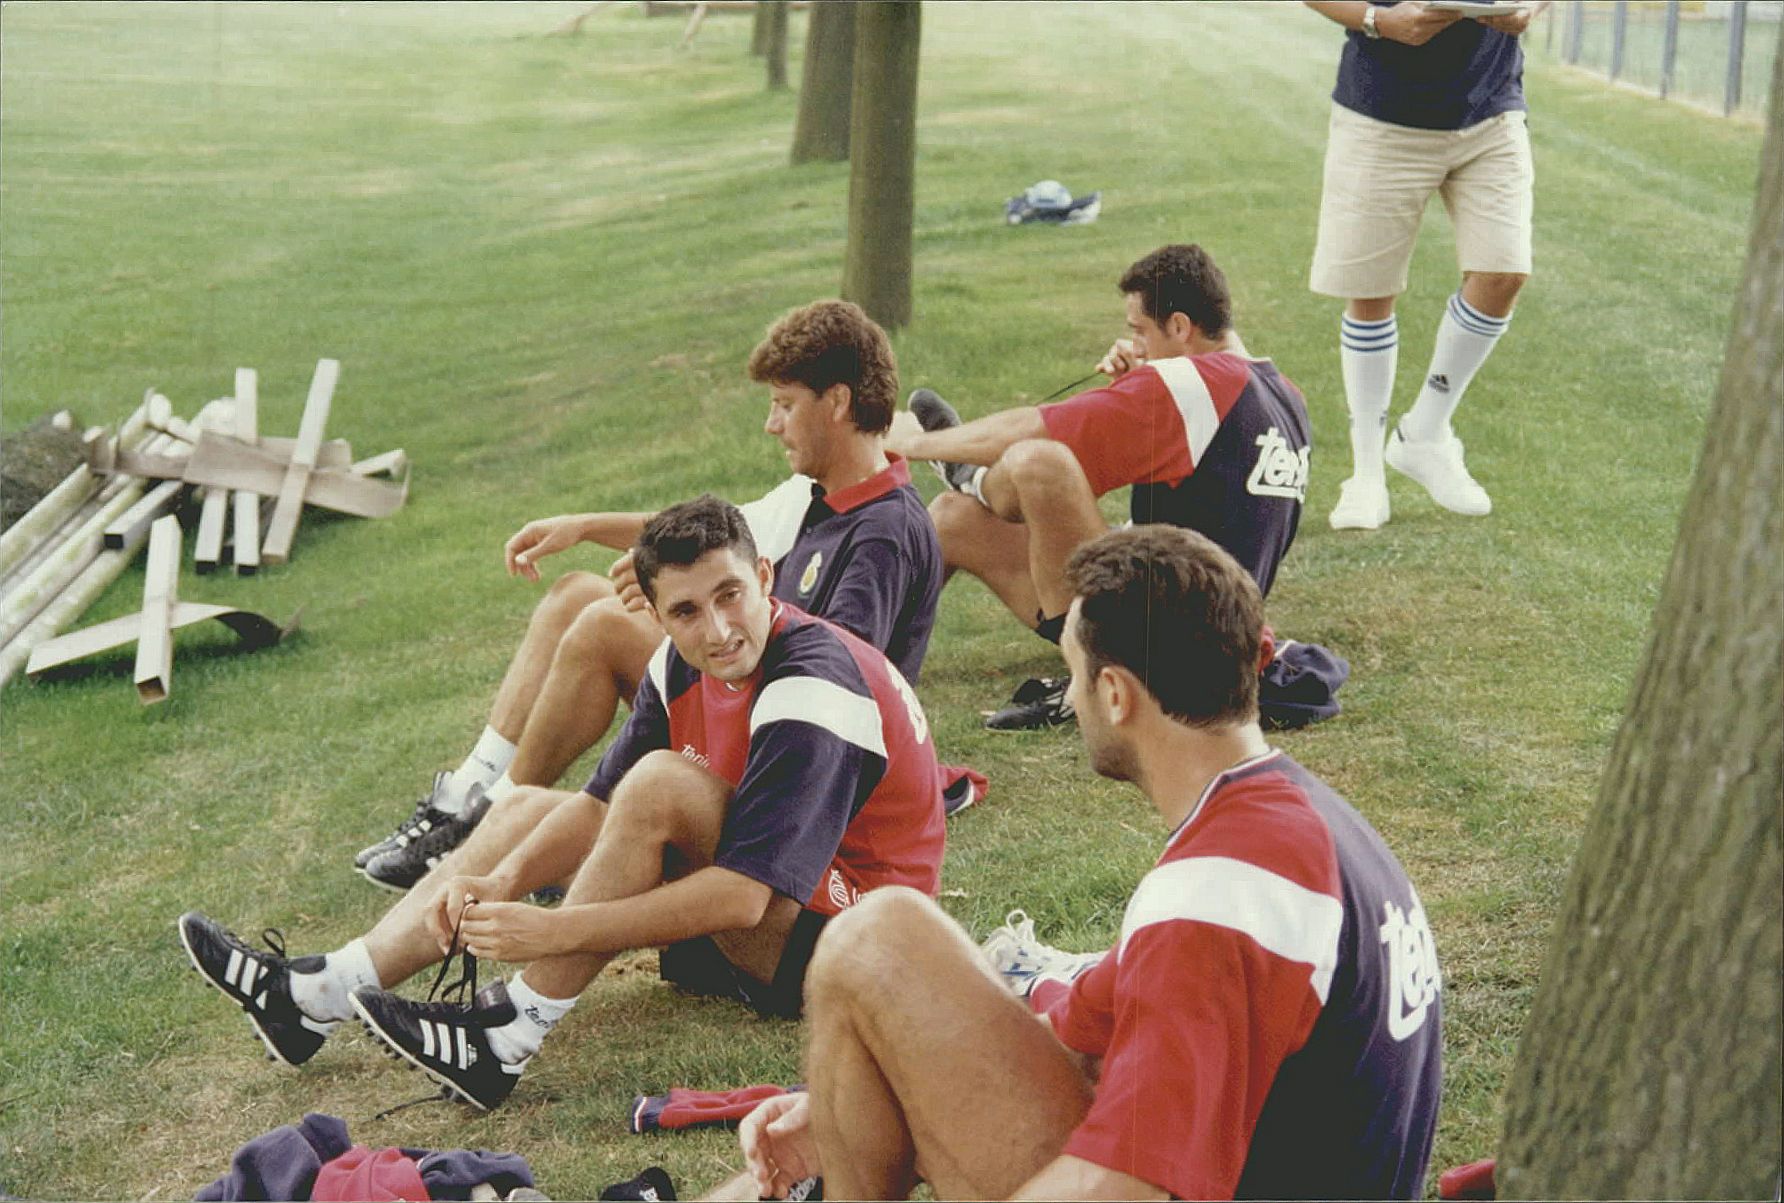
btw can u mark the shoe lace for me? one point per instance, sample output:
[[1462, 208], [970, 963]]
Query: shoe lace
[[275, 940], [460, 994]]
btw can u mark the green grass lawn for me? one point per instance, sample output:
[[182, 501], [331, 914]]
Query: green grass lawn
[[542, 262]]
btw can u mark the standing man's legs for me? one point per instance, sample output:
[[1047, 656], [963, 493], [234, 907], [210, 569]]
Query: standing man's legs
[[885, 1066]]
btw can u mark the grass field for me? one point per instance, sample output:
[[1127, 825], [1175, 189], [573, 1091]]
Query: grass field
[[542, 262]]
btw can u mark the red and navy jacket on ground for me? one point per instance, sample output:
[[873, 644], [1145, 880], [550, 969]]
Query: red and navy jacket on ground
[[1269, 1022], [1217, 443], [866, 557], [836, 788]]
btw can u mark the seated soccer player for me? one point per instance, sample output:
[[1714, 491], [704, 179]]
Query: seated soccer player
[[775, 768], [847, 534], [1267, 1025], [1209, 437]]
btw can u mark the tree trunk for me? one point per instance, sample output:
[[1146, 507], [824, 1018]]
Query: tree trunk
[[759, 29], [777, 45], [1651, 1065], [821, 131], [882, 170]]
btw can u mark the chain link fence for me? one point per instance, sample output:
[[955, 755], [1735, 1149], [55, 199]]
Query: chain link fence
[[1714, 53]]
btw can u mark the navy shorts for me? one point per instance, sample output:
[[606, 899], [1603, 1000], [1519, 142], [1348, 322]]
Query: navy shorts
[[699, 966]]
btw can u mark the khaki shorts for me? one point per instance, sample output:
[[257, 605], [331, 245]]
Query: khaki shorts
[[1380, 176]]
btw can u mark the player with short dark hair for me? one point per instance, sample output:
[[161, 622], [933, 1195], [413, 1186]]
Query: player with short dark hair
[[847, 533], [1209, 437], [1267, 1024], [774, 769]]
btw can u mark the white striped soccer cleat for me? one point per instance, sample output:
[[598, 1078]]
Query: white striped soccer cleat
[[446, 1040]]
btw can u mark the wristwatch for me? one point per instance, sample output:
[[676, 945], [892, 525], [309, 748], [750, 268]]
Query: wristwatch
[[1369, 30]]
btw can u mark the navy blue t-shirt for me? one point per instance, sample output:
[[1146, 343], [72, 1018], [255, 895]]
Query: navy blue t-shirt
[[867, 558], [1459, 78]]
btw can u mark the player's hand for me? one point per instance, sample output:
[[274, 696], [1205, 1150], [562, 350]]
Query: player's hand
[[540, 538], [778, 1145], [513, 931], [624, 575], [1412, 23], [1514, 21], [1123, 357], [452, 898], [904, 428]]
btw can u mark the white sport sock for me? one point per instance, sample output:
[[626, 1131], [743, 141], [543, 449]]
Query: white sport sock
[[501, 789], [323, 994], [1464, 340], [488, 761], [975, 484], [536, 1016], [1368, 353]]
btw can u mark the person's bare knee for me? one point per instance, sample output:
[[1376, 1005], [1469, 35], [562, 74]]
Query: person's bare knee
[[590, 633], [569, 595], [958, 519], [1493, 293], [850, 958], [1042, 472], [667, 797], [1369, 309]]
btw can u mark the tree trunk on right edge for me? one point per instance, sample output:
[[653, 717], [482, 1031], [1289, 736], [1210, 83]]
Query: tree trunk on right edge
[[777, 45], [1651, 1064], [821, 131], [883, 159]]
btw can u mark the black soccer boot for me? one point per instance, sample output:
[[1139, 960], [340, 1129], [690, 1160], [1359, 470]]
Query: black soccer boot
[[425, 845], [933, 413], [446, 1040], [257, 982]]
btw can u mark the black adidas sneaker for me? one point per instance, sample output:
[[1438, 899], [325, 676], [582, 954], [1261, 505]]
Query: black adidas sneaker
[[419, 823], [933, 413], [1039, 703], [257, 982], [445, 1040], [428, 842]]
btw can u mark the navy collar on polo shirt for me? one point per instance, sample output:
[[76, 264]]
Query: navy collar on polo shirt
[[896, 474]]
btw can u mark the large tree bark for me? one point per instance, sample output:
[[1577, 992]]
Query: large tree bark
[[821, 131], [1651, 1065], [883, 166], [777, 45]]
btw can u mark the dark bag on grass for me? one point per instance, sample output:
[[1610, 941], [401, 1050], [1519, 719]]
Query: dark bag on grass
[[1299, 686]]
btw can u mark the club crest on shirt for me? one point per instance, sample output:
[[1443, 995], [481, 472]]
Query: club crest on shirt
[[809, 578]]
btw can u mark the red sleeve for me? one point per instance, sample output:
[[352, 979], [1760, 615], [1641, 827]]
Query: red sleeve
[[1126, 433], [1203, 1017]]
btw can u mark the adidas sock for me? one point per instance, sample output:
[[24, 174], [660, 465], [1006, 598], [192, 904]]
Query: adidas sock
[[1368, 353], [499, 792], [322, 993], [1464, 340], [536, 1016], [488, 761]]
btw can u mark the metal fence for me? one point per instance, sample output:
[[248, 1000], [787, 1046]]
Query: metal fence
[[1715, 53]]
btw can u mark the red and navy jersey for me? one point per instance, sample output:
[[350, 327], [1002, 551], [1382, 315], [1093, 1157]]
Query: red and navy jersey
[[835, 785], [866, 557], [1269, 1022], [1218, 443]]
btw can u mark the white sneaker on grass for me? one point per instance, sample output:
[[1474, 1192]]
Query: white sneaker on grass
[[1024, 962], [1437, 465], [1362, 504]]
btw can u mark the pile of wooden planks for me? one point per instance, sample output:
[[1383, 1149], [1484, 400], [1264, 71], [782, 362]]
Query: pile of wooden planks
[[59, 557]]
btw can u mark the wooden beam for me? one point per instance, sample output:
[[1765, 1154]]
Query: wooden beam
[[231, 463], [283, 528], [154, 635], [254, 630], [247, 501]]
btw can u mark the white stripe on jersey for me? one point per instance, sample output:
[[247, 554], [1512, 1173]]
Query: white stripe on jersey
[[775, 516], [1289, 920], [1190, 393], [658, 671], [823, 704]]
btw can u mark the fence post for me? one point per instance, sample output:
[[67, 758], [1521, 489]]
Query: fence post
[[1737, 44], [1669, 47], [1576, 30], [1619, 29]]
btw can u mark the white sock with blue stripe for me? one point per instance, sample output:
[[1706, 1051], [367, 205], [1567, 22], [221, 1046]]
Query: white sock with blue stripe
[[1368, 353], [1464, 340]]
